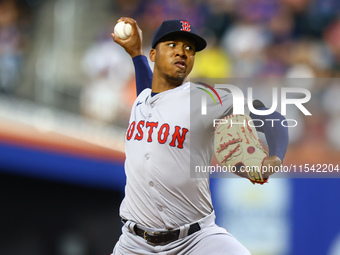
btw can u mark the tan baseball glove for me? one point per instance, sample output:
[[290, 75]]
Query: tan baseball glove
[[238, 147]]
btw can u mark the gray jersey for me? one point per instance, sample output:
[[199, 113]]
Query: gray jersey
[[165, 131]]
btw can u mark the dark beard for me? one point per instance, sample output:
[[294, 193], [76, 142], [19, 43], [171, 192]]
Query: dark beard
[[175, 81]]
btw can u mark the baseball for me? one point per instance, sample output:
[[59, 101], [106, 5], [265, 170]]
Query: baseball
[[123, 30]]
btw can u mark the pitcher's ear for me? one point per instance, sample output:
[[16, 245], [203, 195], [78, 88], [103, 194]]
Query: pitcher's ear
[[152, 55]]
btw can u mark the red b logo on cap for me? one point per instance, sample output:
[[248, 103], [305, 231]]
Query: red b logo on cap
[[185, 26]]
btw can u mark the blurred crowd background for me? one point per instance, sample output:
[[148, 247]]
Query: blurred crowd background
[[60, 71], [60, 54]]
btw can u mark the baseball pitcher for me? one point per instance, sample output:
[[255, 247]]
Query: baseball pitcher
[[164, 211]]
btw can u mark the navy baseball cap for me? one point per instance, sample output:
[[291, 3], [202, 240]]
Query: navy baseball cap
[[178, 27]]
